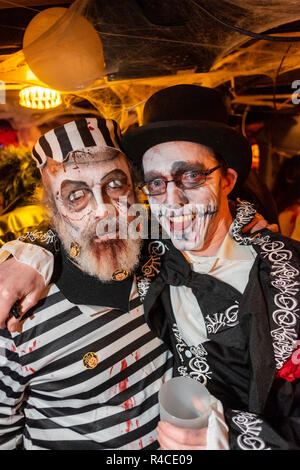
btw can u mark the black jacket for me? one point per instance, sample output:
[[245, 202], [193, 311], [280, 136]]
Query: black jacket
[[250, 361]]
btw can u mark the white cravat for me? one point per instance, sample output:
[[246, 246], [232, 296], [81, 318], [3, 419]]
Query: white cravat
[[232, 264]]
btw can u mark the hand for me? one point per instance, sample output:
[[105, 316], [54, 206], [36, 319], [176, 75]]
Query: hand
[[259, 223], [172, 438], [18, 281]]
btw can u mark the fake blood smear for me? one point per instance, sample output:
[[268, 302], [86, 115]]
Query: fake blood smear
[[123, 364], [128, 404], [33, 346], [128, 425], [123, 384], [75, 161]]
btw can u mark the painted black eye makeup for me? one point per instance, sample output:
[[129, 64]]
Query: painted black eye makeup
[[75, 195], [115, 184], [180, 167]]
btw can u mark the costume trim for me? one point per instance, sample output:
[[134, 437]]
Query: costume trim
[[38, 236], [251, 427], [229, 319], [151, 267], [197, 360], [285, 315]]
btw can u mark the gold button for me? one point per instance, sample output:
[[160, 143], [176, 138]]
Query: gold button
[[90, 360]]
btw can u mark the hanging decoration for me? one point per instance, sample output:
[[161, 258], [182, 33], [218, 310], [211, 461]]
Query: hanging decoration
[[63, 49], [255, 156], [37, 97]]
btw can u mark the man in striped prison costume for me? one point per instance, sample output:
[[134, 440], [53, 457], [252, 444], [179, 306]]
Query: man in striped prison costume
[[83, 371]]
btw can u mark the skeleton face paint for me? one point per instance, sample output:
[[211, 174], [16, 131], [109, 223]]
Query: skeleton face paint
[[89, 188], [89, 192], [188, 214]]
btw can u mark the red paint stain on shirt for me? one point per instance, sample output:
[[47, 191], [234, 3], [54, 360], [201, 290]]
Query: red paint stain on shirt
[[127, 404], [123, 383], [130, 403], [137, 355], [32, 370], [141, 443], [33, 347], [91, 128], [128, 425], [13, 348]]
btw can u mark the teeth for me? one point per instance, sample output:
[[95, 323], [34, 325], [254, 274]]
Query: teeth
[[181, 218]]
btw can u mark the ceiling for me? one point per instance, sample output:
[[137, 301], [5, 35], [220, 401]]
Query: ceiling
[[166, 41], [14, 19]]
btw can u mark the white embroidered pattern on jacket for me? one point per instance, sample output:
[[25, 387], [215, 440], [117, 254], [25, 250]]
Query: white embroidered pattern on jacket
[[251, 427], [283, 273], [244, 215], [229, 318], [150, 269], [143, 286], [48, 237], [286, 314], [199, 368], [157, 248]]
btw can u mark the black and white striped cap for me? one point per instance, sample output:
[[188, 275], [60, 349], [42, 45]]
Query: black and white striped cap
[[81, 134]]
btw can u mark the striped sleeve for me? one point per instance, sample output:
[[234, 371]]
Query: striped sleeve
[[11, 394], [69, 402]]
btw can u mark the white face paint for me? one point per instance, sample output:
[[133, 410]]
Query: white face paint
[[188, 214], [88, 194], [84, 188]]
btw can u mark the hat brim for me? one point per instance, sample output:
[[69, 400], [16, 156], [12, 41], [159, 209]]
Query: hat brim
[[222, 139]]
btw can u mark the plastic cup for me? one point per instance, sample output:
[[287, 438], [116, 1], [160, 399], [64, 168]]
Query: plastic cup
[[185, 403]]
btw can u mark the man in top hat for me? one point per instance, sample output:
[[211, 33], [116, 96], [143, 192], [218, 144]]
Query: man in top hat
[[231, 301], [217, 290]]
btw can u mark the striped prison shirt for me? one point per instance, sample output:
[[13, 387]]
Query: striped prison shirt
[[81, 377]]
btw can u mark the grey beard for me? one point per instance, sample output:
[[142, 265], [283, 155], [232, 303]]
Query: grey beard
[[99, 259]]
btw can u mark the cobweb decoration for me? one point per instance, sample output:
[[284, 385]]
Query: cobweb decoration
[[151, 44]]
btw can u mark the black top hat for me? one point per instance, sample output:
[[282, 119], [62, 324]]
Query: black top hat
[[190, 113]]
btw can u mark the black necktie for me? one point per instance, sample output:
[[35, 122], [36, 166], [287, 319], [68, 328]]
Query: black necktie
[[213, 296]]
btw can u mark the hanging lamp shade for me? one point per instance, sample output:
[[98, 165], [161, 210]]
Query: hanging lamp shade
[[63, 50]]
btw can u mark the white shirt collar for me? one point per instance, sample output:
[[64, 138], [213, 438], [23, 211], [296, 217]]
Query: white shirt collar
[[229, 250]]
